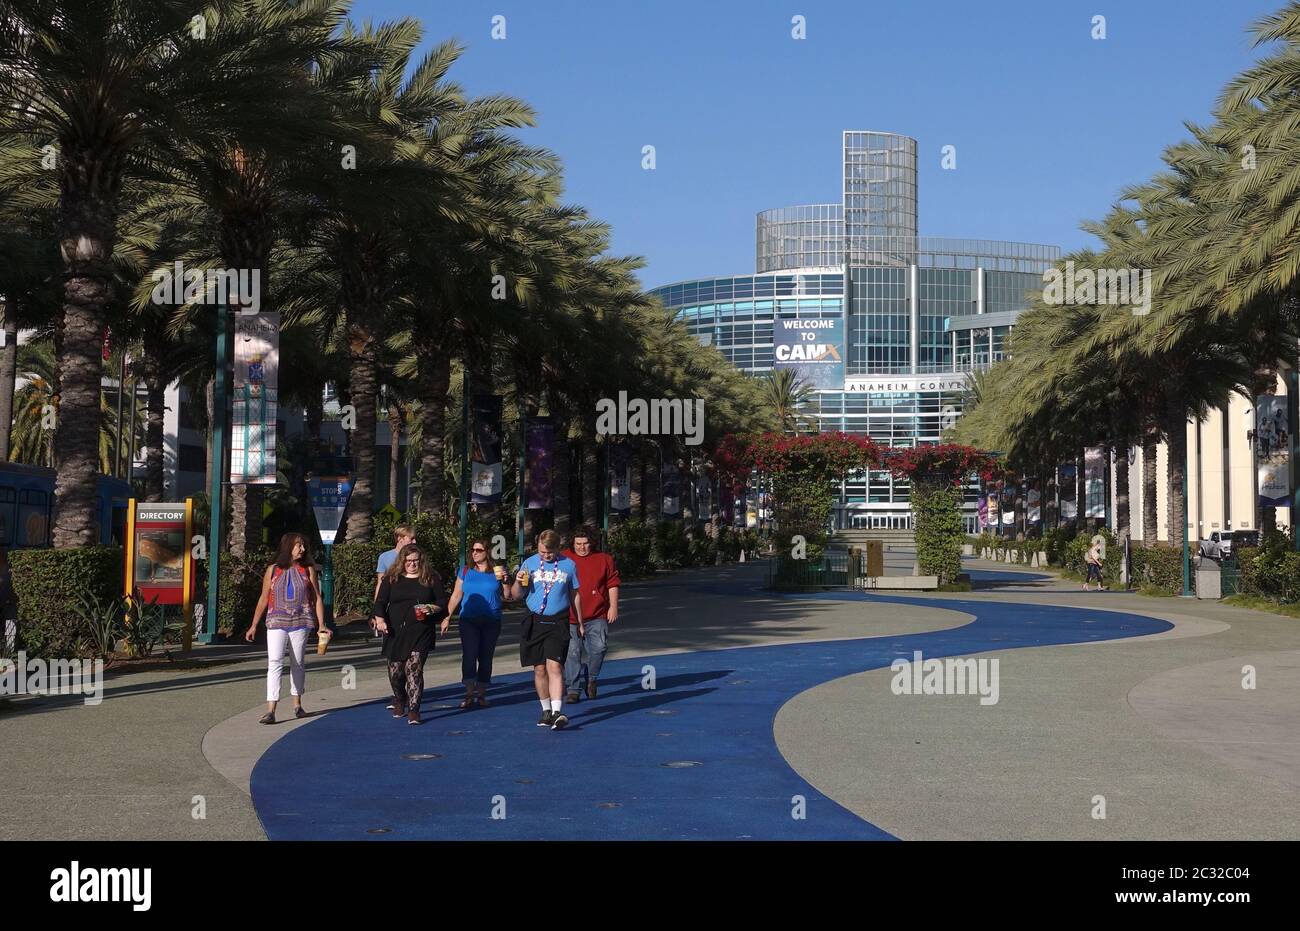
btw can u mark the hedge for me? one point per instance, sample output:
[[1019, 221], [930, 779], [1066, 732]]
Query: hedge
[[240, 587], [939, 532], [49, 583], [1270, 571], [1159, 567]]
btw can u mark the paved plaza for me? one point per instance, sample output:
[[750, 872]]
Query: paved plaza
[[770, 717]]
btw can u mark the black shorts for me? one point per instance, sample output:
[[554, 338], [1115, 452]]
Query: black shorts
[[544, 637], [1094, 572]]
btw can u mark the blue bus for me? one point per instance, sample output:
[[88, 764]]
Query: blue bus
[[27, 506]]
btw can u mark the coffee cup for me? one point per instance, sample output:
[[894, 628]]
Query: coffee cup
[[322, 642]]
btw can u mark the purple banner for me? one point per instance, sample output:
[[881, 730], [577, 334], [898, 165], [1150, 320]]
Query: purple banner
[[541, 442]]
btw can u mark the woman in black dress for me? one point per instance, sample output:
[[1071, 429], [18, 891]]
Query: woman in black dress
[[410, 601]]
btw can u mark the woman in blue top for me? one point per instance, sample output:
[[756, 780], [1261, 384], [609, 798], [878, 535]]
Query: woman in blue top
[[480, 588]]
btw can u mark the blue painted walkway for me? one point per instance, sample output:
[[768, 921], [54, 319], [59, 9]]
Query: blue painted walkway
[[347, 775]]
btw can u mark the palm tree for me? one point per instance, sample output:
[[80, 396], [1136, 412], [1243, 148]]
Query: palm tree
[[111, 83], [786, 395]]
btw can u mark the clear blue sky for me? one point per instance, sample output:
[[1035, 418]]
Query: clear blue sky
[[1049, 123]]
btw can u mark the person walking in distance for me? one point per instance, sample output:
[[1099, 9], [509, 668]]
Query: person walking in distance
[[552, 584], [410, 602], [1093, 559], [480, 588], [292, 601], [598, 581]]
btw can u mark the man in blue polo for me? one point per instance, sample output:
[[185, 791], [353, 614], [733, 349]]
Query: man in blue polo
[[552, 584]]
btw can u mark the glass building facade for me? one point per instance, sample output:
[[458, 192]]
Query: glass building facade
[[919, 314]]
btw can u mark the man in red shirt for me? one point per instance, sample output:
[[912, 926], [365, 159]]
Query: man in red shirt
[[598, 581]]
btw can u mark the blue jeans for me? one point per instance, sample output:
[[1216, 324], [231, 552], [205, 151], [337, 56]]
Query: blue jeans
[[593, 644], [478, 642]]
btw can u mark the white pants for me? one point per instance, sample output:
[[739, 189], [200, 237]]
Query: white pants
[[276, 641]]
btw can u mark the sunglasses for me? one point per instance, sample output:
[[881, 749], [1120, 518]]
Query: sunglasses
[[478, 549]]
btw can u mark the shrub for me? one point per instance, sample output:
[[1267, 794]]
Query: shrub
[[1270, 572], [671, 547], [1158, 567], [240, 587], [631, 544], [704, 550], [939, 532], [50, 584]]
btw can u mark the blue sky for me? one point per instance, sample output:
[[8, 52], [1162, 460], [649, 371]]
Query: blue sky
[[1048, 122]]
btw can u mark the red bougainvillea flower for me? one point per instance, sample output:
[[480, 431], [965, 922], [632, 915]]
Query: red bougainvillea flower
[[943, 462]]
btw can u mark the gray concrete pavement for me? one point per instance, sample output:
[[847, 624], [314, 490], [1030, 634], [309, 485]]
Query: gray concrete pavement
[[1066, 727]]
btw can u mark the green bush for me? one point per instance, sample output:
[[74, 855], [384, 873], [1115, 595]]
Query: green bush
[[1271, 571], [1055, 542], [1158, 567], [704, 550], [631, 544], [49, 584], [240, 587], [939, 533], [670, 547]]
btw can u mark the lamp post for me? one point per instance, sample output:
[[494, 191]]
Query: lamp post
[[219, 405]]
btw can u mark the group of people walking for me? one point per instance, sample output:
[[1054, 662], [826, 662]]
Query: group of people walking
[[570, 599]]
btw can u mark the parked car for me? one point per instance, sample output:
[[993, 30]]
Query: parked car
[[1219, 545]]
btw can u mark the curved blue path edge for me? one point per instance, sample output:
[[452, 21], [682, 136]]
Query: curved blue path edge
[[695, 758]]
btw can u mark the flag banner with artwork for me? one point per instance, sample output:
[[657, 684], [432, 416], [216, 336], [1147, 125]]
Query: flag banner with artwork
[[1273, 450], [992, 508], [672, 506], [539, 446], [1094, 481], [1035, 506], [982, 510], [253, 411], [1065, 487], [485, 453], [620, 480]]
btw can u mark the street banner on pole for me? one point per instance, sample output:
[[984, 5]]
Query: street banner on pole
[[253, 409], [1094, 481], [329, 499], [672, 506], [620, 480], [1272, 439], [541, 441], [1066, 484], [982, 509], [485, 455], [1035, 507]]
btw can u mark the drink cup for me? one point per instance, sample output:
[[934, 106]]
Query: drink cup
[[523, 577], [499, 572], [421, 612], [322, 642]]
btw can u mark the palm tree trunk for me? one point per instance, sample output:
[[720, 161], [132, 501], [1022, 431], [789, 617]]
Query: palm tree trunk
[[207, 467], [1176, 430], [8, 375], [436, 383], [637, 481], [1150, 445], [395, 448], [653, 499], [86, 234], [590, 478], [1081, 491], [363, 370]]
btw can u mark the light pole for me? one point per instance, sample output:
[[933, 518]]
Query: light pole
[[218, 426]]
